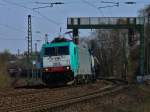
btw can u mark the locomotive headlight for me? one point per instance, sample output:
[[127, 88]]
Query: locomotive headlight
[[46, 69], [68, 68]]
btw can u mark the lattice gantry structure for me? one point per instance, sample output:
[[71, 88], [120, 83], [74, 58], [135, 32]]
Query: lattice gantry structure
[[130, 23]]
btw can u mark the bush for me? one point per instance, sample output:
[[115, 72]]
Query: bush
[[4, 77]]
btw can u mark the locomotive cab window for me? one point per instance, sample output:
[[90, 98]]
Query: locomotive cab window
[[56, 51], [63, 50], [50, 51]]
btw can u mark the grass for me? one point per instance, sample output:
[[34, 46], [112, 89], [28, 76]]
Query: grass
[[4, 78], [140, 103]]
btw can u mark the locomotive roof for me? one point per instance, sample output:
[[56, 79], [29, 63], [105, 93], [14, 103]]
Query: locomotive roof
[[60, 39], [57, 44]]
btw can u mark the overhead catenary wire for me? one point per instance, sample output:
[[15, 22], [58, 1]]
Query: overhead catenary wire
[[80, 1], [116, 4], [48, 4], [12, 38], [135, 2], [2, 4], [113, 4], [125, 2], [39, 13], [109, 2], [92, 5], [19, 29], [45, 17], [108, 6], [41, 7], [17, 39], [12, 28]]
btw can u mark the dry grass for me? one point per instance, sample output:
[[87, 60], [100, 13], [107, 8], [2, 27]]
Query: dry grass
[[140, 101], [4, 77], [135, 99]]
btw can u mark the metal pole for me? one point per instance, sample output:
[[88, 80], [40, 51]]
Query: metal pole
[[142, 51], [29, 46], [35, 48], [148, 46], [76, 36], [46, 38], [125, 56], [29, 36]]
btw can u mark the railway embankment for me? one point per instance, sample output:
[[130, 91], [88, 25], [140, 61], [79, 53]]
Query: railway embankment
[[18, 99], [103, 96], [135, 98]]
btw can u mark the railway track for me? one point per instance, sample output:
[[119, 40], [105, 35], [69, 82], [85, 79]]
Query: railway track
[[21, 91], [26, 96], [26, 91], [47, 103], [21, 96]]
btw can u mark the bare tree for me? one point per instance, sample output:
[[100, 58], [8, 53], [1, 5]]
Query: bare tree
[[108, 48]]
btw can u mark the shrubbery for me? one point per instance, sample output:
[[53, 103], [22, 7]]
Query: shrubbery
[[4, 77]]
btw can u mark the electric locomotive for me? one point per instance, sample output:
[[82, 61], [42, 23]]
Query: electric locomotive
[[63, 62]]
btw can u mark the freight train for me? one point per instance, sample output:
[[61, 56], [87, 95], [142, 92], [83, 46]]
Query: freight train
[[65, 62]]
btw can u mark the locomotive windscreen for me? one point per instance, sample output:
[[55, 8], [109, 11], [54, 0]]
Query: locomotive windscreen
[[57, 51]]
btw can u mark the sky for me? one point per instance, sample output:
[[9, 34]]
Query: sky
[[14, 18]]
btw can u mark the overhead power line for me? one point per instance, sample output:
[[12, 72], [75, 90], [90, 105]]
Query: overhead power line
[[130, 2], [48, 4], [25, 7], [108, 6], [110, 2], [11, 27], [115, 4], [126, 2], [11, 38], [17, 39], [2, 4], [41, 7], [92, 5]]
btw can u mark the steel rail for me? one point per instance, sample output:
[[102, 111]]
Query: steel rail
[[64, 101]]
